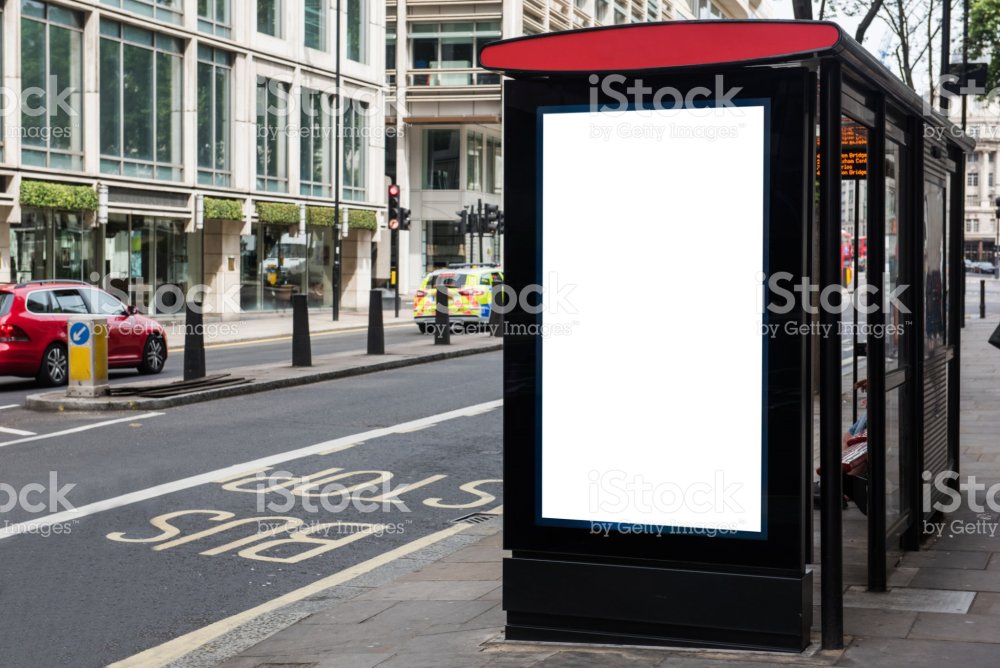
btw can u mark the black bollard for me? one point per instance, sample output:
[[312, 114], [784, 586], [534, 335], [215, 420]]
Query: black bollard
[[496, 316], [194, 341], [982, 299], [301, 346], [376, 331], [442, 319]]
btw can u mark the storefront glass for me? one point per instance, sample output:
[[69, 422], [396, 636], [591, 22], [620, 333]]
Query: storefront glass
[[277, 263]]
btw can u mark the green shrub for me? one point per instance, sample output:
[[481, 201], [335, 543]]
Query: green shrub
[[217, 208], [44, 195], [362, 219], [278, 213]]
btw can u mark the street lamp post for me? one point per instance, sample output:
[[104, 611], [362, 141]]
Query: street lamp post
[[338, 125]]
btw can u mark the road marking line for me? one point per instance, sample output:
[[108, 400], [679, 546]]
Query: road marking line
[[179, 647], [3, 408], [230, 472], [16, 432], [77, 430]]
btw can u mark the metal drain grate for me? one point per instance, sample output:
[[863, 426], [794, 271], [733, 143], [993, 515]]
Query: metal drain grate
[[474, 518]]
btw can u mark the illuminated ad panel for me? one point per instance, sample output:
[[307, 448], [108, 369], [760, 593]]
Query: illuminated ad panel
[[653, 357]]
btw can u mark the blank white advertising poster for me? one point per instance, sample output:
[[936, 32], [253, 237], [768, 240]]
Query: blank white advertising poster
[[653, 233]]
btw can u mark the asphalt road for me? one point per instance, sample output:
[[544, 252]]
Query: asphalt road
[[222, 358], [124, 575]]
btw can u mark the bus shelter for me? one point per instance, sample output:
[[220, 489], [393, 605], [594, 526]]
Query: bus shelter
[[735, 249]]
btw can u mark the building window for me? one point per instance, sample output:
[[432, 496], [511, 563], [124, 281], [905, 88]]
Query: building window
[[441, 156], [601, 8], [215, 108], [973, 179], [968, 224], [474, 162], [170, 11], [972, 200], [272, 135], [316, 132], [140, 102], [269, 17], [494, 166], [708, 10], [315, 24], [51, 69], [357, 45], [451, 47], [974, 157], [390, 53], [975, 226], [215, 17], [652, 10], [621, 12], [355, 149]]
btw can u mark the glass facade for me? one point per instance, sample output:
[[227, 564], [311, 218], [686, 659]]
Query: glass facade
[[269, 13], [276, 263], [474, 161], [315, 24], [272, 135], [451, 46], [153, 260], [170, 11], [215, 17], [141, 86], [355, 149], [316, 144], [52, 86], [442, 244], [494, 165], [441, 159], [357, 44], [215, 108]]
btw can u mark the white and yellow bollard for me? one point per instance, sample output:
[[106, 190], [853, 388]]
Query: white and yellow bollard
[[88, 357]]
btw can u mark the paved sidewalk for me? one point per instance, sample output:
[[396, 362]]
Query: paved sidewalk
[[943, 607], [278, 325]]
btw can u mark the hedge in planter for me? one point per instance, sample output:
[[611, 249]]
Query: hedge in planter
[[44, 195], [323, 216], [217, 208], [278, 213]]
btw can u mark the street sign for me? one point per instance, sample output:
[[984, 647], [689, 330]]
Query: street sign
[[88, 357]]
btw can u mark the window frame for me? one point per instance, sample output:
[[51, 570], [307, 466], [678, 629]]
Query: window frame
[[212, 57], [118, 165], [77, 128]]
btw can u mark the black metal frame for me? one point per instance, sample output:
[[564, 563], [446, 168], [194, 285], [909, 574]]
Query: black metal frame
[[561, 585]]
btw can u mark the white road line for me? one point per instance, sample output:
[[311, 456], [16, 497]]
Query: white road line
[[16, 432], [179, 647], [77, 430], [3, 408], [335, 445]]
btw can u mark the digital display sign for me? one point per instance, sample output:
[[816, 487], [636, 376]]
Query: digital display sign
[[652, 354]]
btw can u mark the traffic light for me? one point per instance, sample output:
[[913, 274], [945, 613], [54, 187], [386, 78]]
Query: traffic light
[[501, 225], [997, 203], [394, 208], [462, 225], [404, 218], [492, 212]]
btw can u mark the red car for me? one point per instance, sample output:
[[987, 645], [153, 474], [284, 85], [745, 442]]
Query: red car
[[33, 322]]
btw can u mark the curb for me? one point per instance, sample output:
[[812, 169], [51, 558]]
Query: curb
[[57, 402]]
